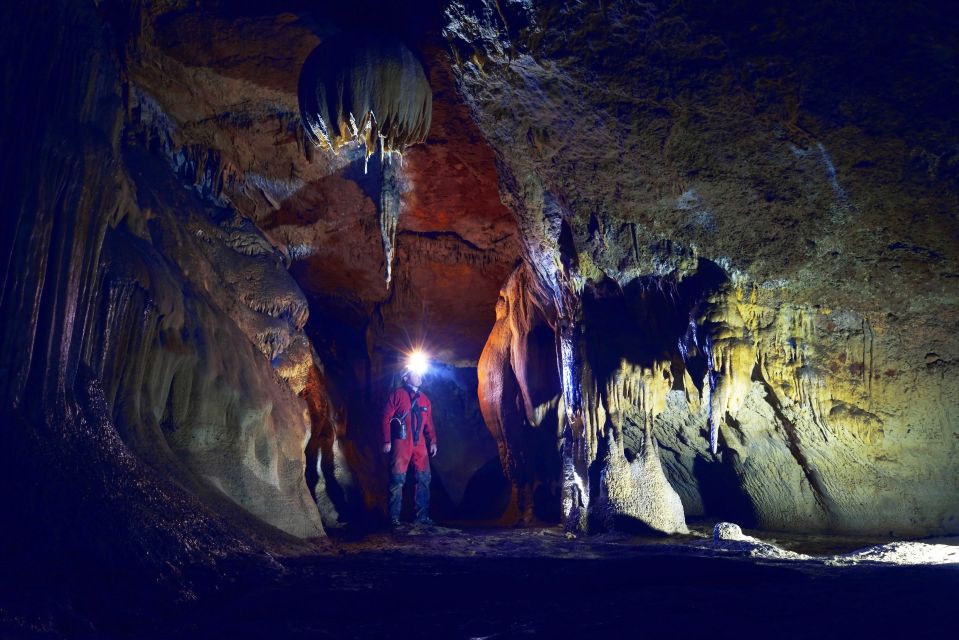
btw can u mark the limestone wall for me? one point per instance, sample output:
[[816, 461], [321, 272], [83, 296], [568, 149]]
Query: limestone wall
[[811, 381]]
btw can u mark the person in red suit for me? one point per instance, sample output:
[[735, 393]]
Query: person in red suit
[[408, 434]]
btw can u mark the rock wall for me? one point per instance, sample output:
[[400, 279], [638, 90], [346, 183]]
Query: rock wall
[[78, 499], [153, 342], [806, 178], [737, 275], [201, 350], [519, 390]]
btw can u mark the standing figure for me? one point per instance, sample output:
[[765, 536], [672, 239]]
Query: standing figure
[[408, 433]]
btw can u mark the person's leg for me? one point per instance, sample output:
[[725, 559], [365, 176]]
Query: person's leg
[[399, 463], [421, 463], [396, 496], [423, 497]]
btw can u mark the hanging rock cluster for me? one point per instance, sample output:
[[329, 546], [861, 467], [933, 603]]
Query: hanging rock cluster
[[365, 88]]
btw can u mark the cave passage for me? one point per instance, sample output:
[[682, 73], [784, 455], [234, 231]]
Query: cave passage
[[431, 280]]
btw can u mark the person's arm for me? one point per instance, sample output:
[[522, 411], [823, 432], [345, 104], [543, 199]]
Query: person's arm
[[429, 429], [388, 412]]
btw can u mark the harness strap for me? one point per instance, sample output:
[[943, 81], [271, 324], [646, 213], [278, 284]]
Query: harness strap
[[416, 413]]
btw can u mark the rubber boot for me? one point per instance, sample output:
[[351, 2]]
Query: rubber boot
[[396, 496], [423, 497]]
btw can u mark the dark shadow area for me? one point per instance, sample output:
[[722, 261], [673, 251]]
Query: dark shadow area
[[422, 594], [547, 469], [650, 319], [487, 494], [337, 330], [534, 448], [368, 175], [722, 492], [466, 445], [634, 526]]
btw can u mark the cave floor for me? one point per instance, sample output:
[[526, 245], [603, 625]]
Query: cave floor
[[518, 583], [550, 541]]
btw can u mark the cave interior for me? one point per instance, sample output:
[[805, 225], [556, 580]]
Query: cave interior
[[685, 273]]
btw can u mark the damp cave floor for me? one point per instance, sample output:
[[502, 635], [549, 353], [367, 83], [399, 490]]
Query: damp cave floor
[[439, 582]]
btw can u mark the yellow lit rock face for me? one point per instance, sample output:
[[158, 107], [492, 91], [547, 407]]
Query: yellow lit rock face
[[295, 363], [634, 391], [819, 420], [730, 357], [816, 422]]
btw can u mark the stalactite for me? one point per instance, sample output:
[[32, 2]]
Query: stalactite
[[389, 213], [730, 355]]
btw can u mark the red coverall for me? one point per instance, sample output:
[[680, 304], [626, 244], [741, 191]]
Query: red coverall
[[403, 451]]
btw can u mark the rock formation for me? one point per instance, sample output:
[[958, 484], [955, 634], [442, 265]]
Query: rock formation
[[638, 492], [382, 249], [519, 391], [362, 87], [657, 142]]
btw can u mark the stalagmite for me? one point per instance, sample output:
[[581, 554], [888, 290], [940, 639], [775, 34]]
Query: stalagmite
[[638, 491]]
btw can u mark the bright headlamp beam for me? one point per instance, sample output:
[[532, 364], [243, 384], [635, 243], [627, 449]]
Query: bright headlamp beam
[[418, 362]]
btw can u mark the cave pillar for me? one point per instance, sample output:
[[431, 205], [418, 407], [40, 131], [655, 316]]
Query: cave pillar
[[579, 414]]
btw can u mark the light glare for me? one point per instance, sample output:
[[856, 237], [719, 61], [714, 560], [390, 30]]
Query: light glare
[[418, 363]]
